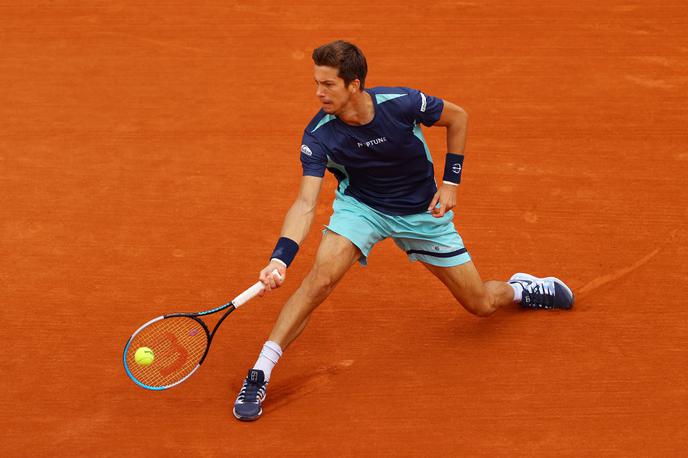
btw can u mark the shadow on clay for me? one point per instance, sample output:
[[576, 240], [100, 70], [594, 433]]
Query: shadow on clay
[[295, 387]]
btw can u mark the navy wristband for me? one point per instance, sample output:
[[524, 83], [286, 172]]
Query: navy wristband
[[285, 250], [453, 166]]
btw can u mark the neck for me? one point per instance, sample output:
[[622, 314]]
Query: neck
[[359, 110]]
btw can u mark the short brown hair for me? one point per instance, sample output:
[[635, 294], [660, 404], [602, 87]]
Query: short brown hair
[[346, 58]]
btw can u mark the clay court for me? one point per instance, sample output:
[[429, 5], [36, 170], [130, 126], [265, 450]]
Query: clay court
[[149, 152]]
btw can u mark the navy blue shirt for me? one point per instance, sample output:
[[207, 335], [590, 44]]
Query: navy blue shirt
[[385, 164]]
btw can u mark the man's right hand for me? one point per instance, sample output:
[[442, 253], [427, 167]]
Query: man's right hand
[[270, 280]]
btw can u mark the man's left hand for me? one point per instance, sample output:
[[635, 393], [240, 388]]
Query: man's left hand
[[446, 196]]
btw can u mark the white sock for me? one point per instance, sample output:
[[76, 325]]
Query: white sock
[[269, 356], [518, 291]]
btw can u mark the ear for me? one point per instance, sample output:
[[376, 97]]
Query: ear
[[355, 86]]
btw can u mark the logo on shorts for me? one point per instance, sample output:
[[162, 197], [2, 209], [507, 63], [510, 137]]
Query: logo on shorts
[[306, 150], [456, 168]]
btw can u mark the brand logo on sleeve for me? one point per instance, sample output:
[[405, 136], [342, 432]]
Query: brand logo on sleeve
[[306, 150], [423, 103]]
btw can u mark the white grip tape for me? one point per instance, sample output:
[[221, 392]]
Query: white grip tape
[[252, 292]]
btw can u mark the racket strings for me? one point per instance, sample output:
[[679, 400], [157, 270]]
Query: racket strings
[[178, 344]]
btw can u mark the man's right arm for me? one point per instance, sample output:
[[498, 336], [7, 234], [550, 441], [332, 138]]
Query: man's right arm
[[296, 225], [300, 216]]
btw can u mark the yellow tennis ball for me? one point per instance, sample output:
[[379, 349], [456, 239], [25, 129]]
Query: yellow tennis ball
[[144, 356]]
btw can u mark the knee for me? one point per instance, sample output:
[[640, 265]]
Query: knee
[[480, 306], [319, 283]]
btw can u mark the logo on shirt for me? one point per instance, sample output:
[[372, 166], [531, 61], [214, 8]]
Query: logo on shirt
[[456, 168], [306, 150], [370, 143], [423, 103]]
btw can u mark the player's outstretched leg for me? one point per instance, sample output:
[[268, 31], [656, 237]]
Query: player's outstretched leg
[[335, 256], [478, 297], [484, 298], [543, 293]]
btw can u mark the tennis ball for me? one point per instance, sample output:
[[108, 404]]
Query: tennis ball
[[144, 356]]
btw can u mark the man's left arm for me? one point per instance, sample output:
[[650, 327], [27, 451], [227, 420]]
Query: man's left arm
[[455, 119]]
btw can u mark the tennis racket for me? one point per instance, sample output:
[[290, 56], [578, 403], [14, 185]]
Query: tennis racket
[[180, 343]]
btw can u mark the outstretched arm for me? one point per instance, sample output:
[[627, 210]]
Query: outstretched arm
[[455, 119], [298, 221], [296, 225]]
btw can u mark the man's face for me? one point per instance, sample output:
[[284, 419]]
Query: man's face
[[330, 89]]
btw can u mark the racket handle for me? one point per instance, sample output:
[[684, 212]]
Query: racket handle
[[252, 292]]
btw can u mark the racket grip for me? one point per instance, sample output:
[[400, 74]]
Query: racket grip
[[252, 292]]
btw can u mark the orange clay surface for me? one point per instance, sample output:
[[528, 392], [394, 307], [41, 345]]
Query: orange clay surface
[[149, 152]]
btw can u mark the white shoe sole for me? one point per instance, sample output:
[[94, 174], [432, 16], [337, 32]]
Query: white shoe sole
[[246, 418]]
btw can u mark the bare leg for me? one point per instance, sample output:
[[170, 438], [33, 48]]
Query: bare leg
[[335, 256], [479, 298]]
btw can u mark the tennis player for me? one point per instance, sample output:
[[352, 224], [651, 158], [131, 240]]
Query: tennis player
[[371, 140]]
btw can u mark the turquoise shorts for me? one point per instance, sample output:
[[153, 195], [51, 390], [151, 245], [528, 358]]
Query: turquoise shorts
[[422, 236]]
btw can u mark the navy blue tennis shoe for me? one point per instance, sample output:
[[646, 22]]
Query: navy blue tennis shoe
[[248, 405], [543, 293]]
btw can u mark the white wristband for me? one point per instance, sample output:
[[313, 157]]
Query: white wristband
[[277, 260]]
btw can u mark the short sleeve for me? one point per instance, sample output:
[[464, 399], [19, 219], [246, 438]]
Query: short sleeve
[[424, 108], [313, 156]]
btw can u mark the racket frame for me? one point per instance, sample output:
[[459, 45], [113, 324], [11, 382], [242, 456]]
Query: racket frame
[[194, 316], [237, 302]]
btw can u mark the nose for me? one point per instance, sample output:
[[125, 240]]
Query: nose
[[319, 92]]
